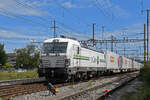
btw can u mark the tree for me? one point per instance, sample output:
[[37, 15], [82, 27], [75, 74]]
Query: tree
[[7, 65], [3, 55], [27, 57]]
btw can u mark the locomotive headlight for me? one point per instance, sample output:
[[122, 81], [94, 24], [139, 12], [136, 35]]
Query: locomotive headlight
[[67, 62]]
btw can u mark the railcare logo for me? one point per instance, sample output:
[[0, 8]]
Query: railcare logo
[[112, 60]]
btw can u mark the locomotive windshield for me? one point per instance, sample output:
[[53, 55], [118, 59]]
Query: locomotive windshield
[[55, 47]]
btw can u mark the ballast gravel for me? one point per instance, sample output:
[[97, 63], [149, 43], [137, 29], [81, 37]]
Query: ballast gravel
[[68, 90]]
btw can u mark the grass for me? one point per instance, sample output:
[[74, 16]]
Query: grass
[[90, 84], [5, 98], [71, 86], [129, 96], [17, 75], [142, 91]]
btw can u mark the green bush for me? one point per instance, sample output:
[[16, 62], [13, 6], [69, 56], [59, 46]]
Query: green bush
[[145, 74], [7, 65], [143, 91]]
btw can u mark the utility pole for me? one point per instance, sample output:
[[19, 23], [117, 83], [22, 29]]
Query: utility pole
[[148, 36], [93, 34], [54, 27], [112, 38], [106, 45], [144, 44], [147, 11], [124, 50], [103, 27]]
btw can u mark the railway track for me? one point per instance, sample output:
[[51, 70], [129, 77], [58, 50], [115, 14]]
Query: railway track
[[25, 87], [21, 81], [20, 87], [16, 90], [84, 92], [32, 87], [28, 88]]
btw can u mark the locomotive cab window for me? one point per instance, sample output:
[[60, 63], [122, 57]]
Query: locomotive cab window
[[55, 47]]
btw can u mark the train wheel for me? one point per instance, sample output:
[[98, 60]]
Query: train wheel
[[98, 74], [69, 79], [78, 76], [84, 75]]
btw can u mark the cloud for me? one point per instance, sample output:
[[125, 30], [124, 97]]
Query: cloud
[[36, 3], [131, 30], [14, 41], [70, 5], [18, 7], [79, 36], [14, 35], [112, 9]]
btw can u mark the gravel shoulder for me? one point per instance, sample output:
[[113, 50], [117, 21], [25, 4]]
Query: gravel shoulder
[[72, 89], [63, 91]]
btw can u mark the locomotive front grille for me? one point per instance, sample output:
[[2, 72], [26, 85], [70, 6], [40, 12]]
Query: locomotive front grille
[[53, 61], [46, 63], [60, 62]]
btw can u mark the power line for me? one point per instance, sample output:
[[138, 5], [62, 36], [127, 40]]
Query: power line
[[81, 20], [115, 41], [7, 13], [62, 30], [27, 6], [142, 4], [99, 9], [30, 7], [98, 5], [22, 18]]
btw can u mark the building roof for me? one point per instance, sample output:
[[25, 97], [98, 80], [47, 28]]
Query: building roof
[[11, 54]]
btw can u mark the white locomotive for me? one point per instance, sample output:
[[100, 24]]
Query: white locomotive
[[65, 59]]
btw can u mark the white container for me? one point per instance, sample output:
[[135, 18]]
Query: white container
[[112, 60]]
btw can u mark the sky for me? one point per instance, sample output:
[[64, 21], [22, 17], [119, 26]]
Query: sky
[[23, 21]]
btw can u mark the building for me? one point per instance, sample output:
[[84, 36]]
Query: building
[[12, 58]]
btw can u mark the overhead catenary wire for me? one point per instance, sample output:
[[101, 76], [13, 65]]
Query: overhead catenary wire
[[43, 19], [75, 16], [9, 14], [102, 9], [74, 34], [30, 7], [96, 3], [24, 19], [142, 4]]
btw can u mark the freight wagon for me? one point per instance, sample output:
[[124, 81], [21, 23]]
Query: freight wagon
[[112, 62], [126, 64]]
